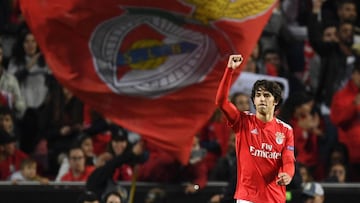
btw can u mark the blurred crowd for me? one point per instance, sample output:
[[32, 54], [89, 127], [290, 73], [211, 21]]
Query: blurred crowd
[[48, 134]]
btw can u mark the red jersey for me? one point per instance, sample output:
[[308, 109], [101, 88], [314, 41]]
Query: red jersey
[[11, 164], [263, 150], [345, 116], [123, 172], [83, 177]]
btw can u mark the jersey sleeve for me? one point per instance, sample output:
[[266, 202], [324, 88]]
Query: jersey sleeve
[[222, 101], [288, 157]]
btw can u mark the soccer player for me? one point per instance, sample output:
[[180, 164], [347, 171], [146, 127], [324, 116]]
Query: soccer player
[[264, 144]]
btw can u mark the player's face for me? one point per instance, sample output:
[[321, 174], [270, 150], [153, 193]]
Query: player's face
[[264, 102]]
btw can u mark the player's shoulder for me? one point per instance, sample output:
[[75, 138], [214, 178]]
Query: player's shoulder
[[283, 124]]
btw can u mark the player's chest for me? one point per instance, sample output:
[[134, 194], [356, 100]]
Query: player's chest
[[270, 139]]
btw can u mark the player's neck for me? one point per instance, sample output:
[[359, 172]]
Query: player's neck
[[265, 117]]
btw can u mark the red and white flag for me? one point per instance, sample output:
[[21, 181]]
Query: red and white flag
[[151, 66]]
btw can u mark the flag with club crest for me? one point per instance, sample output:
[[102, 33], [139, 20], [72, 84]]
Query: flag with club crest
[[152, 67]]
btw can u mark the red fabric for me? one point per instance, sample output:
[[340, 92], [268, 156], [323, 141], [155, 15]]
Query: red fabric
[[271, 69], [306, 146], [160, 167], [101, 140], [345, 115], [3, 100], [83, 177], [87, 115], [167, 116], [15, 16], [11, 164], [219, 131], [123, 173], [261, 155]]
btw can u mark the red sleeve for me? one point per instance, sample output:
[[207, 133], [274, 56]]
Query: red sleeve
[[124, 173], [344, 107], [222, 101], [288, 157]]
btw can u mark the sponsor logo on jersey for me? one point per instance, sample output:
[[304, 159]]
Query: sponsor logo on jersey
[[266, 151]]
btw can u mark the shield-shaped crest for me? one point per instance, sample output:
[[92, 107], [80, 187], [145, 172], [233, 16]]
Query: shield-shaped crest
[[279, 137]]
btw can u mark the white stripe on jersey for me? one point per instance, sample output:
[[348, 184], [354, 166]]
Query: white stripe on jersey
[[283, 123]]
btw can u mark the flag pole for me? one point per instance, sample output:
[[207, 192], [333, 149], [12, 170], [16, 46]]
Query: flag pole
[[133, 185]]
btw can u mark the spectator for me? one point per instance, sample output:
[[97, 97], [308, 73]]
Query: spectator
[[300, 111], [337, 57], [10, 156], [7, 122], [275, 66], [163, 168], [225, 170], [276, 34], [345, 109], [156, 195], [347, 11], [86, 144], [10, 18], [10, 89], [98, 127], [113, 197], [118, 145], [102, 181], [32, 73], [337, 173], [60, 123], [87, 197], [78, 171], [305, 174], [28, 173], [241, 100], [212, 137], [225, 165], [313, 192], [311, 75], [338, 154]]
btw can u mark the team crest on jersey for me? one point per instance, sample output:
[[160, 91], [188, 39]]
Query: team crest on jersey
[[279, 137]]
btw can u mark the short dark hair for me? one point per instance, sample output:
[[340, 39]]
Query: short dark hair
[[87, 195], [27, 162], [340, 4], [268, 85], [74, 146], [328, 24], [5, 110]]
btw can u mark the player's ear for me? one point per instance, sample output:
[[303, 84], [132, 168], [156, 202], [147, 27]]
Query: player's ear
[[276, 102]]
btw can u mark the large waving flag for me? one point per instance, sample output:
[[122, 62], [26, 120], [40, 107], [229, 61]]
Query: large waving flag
[[151, 66]]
